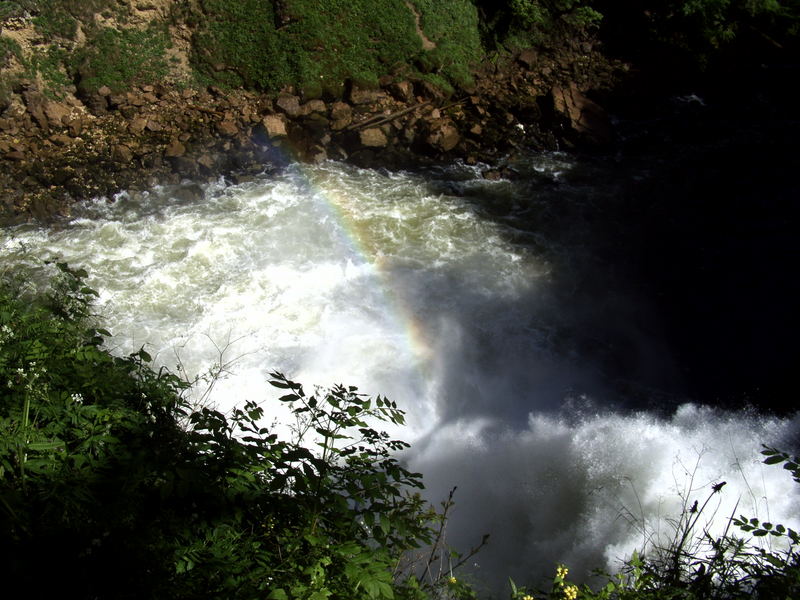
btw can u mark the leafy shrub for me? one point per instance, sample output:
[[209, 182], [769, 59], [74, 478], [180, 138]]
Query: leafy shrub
[[113, 486], [520, 23]]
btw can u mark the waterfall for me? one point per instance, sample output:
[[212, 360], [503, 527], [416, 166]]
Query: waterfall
[[407, 285]]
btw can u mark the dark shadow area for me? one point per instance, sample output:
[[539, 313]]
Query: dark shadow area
[[674, 256]]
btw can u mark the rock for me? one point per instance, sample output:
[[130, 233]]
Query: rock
[[75, 127], [207, 161], [174, 149], [56, 113], [427, 90], [360, 95], [341, 111], [527, 58], [35, 105], [228, 128], [402, 91], [313, 106], [191, 192], [121, 154], [104, 91], [289, 104], [184, 165], [153, 125], [585, 117], [137, 124], [61, 139], [373, 138], [444, 137], [274, 125], [14, 155]]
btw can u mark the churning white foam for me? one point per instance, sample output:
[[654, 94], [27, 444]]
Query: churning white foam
[[337, 275]]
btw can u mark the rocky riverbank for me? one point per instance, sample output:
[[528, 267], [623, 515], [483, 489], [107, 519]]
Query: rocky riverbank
[[57, 151]]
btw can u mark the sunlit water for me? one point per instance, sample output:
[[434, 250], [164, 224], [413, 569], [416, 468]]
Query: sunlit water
[[395, 283]]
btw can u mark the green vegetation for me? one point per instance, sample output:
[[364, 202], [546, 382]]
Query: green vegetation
[[121, 58], [112, 485], [312, 44], [317, 46], [523, 23]]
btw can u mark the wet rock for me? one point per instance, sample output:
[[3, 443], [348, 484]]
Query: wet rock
[[184, 166], [189, 193], [373, 138]]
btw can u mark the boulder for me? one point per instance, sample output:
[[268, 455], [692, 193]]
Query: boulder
[[443, 137], [361, 95], [313, 106], [35, 106], [174, 149], [121, 154], [137, 124], [584, 117], [373, 138], [56, 113], [228, 128], [61, 139], [341, 110], [274, 125], [289, 104], [402, 91]]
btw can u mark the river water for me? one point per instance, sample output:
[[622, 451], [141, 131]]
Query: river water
[[540, 372]]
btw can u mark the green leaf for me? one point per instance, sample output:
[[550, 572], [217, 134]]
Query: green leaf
[[773, 460], [277, 594]]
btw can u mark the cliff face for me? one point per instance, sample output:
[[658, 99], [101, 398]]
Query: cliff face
[[97, 97]]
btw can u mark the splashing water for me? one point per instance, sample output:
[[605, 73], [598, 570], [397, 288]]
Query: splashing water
[[392, 283]]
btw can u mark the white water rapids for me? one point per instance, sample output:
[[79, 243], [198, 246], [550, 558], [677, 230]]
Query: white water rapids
[[332, 274]]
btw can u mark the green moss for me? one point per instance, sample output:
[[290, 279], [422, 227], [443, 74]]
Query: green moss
[[121, 58], [454, 27], [303, 42]]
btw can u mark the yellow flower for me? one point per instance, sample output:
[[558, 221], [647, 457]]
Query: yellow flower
[[452, 580], [527, 597], [561, 572], [571, 592]]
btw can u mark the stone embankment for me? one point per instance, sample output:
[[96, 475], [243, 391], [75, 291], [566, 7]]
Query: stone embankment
[[54, 152]]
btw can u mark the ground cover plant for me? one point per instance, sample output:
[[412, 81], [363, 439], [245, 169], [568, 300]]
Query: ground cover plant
[[114, 485]]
